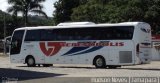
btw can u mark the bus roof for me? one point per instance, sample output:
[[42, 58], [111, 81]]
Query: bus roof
[[75, 23], [78, 24]]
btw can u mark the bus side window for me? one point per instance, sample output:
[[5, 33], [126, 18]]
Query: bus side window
[[47, 35], [32, 35]]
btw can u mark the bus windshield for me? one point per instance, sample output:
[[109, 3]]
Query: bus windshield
[[16, 42]]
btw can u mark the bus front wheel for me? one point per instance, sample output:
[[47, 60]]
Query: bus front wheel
[[30, 62], [99, 62]]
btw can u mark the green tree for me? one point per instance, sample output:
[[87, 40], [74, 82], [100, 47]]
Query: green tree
[[26, 6], [64, 9], [88, 13], [93, 11], [110, 11], [4, 17]]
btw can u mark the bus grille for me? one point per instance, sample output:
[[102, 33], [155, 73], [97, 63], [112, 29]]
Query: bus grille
[[125, 56]]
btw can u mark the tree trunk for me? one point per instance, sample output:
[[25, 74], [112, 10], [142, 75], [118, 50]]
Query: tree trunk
[[25, 17]]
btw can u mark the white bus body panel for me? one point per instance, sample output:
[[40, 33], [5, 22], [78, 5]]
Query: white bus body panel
[[110, 53], [114, 54], [142, 36]]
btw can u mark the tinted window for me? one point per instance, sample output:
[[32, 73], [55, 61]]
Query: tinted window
[[32, 35], [47, 35], [94, 33], [16, 42], [90, 33]]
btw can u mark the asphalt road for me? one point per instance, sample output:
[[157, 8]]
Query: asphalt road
[[20, 73]]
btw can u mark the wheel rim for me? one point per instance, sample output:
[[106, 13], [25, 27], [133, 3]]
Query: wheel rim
[[99, 62], [30, 61]]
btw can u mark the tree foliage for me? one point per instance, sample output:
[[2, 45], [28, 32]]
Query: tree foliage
[[12, 24], [26, 6], [113, 11], [88, 12], [64, 9]]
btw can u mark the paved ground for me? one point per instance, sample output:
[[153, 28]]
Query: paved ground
[[71, 73]]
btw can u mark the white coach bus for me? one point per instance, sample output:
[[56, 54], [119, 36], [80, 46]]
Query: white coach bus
[[103, 45]]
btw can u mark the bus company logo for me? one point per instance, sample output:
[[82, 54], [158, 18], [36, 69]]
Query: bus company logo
[[50, 48], [146, 30]]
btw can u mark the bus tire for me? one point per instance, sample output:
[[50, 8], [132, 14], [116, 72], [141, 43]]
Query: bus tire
[[99, 62], [30, 62]]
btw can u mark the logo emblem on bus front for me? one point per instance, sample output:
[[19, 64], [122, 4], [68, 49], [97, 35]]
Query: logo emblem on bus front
[[146, 30], [50, 48]]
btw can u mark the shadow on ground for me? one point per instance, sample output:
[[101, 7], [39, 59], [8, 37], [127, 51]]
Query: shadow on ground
[[150, 69], [77, 67], [20, 75], [74, 67], [62, 67]]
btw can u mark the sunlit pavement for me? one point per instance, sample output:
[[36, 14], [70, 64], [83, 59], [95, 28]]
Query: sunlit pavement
[[60, 73]]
